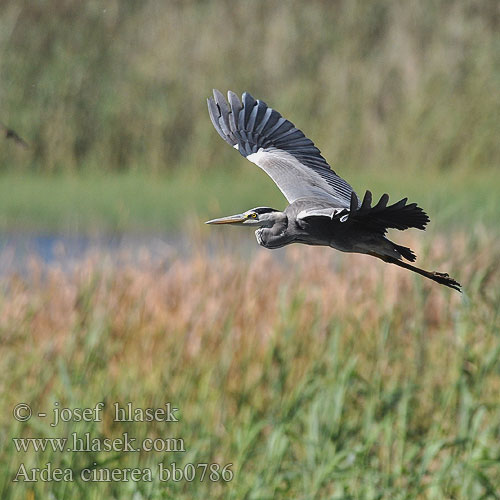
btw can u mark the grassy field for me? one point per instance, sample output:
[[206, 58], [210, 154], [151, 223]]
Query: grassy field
[[345, 378], [141, 203]]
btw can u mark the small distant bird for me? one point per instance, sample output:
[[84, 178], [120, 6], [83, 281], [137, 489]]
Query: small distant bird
[[323, 209], [8, 133]]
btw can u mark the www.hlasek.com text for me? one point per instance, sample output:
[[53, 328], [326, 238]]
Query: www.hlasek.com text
[[86, 443]]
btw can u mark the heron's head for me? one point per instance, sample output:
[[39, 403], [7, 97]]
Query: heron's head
[[260, 217]]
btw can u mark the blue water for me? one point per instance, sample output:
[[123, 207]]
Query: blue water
[[17, 249], [65, 251]]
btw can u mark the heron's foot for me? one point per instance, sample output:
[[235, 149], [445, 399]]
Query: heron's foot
[[441, 275], [444, 279]]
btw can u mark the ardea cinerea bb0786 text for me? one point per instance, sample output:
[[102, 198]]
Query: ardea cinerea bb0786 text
[[323, 208]]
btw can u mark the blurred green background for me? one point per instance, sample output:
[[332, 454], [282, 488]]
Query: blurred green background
[[112, 96]]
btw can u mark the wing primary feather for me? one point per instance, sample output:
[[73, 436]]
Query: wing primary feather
[[261, 111], [291, 135], [354, 203], [235, 104], [248, 105], [224, 125], [367, 201], [299, 143], [398, 205], [234, 101], [214, 112], [382, 202], [241, 118], [224, 111], [253, 117], [264, 120], [223, 106], [273, 119], [280, 129], [275, 127]]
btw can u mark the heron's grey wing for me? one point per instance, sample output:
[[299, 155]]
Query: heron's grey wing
[[273, 143]]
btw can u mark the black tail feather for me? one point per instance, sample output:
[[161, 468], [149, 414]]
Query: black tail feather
[[406, 252]]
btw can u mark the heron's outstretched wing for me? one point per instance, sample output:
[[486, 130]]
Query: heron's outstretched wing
[[273, 143]]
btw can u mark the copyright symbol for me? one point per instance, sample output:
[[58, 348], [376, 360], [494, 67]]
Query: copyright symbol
[[22, 412]]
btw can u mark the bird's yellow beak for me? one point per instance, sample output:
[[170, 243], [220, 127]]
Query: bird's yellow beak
[[232, 219]]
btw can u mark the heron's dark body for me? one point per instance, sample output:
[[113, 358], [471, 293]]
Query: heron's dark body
[[322, 231]]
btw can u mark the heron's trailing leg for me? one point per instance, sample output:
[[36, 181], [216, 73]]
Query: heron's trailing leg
[[442, 278]]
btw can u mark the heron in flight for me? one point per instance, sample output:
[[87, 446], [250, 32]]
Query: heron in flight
[[323, 208]]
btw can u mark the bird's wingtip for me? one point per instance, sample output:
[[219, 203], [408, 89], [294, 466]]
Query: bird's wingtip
[[217, 95]]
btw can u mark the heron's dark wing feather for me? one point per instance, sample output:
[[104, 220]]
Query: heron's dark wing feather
[[381, 217], [267, 139], [377, 219]]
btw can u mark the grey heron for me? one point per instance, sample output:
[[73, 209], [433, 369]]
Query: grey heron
[[323, 208]]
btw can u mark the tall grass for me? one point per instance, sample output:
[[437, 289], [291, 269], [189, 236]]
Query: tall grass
[[122, 85], [317, 376]]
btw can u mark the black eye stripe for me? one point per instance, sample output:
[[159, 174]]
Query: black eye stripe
[[263, 210]]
